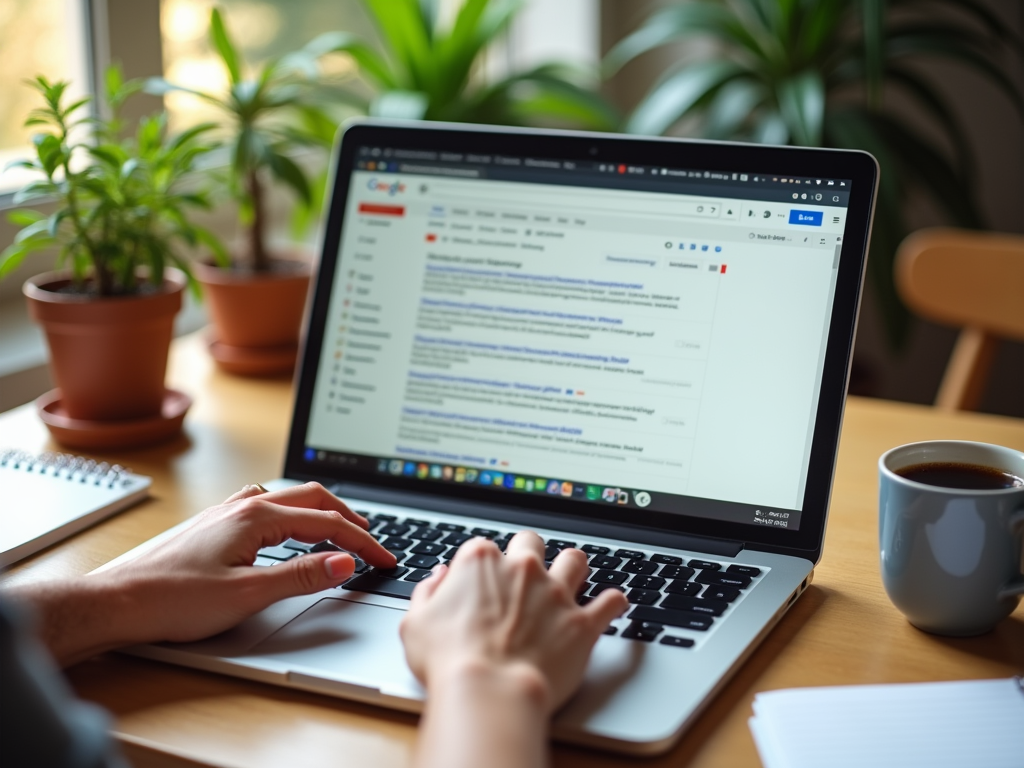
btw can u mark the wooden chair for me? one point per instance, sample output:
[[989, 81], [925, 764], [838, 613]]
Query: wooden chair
[[974, 280]]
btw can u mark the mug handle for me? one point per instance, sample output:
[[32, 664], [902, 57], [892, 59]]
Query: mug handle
[[1016, 586]]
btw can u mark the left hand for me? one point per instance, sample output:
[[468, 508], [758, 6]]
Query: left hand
[[202, 581]]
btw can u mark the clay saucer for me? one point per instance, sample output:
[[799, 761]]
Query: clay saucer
[[127, 433], [255, 361]]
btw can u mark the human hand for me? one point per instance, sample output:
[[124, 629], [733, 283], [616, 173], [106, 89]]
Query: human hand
[[506, 616], [202, 581]]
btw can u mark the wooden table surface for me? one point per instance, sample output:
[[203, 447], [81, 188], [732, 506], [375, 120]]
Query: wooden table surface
[[842, 631]]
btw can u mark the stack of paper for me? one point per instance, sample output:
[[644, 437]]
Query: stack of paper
[[969, 724]]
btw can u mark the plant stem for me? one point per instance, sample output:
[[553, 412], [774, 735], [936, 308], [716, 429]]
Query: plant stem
[[257, 242]]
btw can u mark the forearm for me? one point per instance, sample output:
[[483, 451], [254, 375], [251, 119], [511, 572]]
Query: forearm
[[76, 619], [482, 717]]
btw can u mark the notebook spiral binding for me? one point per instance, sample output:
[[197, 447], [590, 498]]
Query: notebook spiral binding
[[65, 465]]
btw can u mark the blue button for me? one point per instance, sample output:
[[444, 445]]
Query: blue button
[[809, 218]]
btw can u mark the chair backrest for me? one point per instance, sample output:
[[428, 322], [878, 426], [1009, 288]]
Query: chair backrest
[[974, 280]]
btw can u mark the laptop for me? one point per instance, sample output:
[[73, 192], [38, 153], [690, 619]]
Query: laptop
[[634, 346]]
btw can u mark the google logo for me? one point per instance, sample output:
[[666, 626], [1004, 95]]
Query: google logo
[[376, 185]]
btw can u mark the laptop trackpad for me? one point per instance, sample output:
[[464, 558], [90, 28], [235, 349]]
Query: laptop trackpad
[[355, 642]]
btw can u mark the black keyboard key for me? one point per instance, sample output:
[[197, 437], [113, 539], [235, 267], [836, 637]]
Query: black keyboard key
[[300, 546], [389, 573], [599, 588], [705, 565], [428, 548], [383, 518], [450, 527], [728, 594], [421, 561], [695, 604], [417, 576], [744, 570], [678, 642], [595, 549], [641, 630], [671, 617], [609, 630], [645, 567], [416, 523], [629, 554], [325, 546], [723, 579], [426, 534], [361, 567], [378, 585], [561, 544], [680, 572], [279, 552], [582, 600], [455, 539], [550, 553], [397, 543], [643, 596], [608, 577], [605, 561], [502, 541], [647, 582], [680, 587], [487, 533], [393, 529], [667, 559]]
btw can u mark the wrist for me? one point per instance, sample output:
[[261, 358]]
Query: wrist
[[512, 683]]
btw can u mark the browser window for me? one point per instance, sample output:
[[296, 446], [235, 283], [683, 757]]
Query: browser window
[[617, 346]]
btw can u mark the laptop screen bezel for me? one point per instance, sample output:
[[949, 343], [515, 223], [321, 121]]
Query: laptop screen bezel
[[859, 167]]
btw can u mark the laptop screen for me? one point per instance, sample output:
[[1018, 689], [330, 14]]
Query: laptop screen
[[634, 336]]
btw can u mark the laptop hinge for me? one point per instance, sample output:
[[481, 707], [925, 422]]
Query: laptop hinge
[[518, 516]]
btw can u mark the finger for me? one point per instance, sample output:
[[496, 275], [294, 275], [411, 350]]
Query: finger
[[303, 575], [426, 588], [315, 496], [474, 548], [609, 605], [277, 522], [570, 568], [526, 543], [245, 493]]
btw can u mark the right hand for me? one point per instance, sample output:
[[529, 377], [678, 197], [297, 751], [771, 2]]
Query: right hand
[[507, 616]]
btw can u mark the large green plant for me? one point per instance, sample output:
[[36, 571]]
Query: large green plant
[[120, 203], [427, 69], [269, 112], [813, 72]]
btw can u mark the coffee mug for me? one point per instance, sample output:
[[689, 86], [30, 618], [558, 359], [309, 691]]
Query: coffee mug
[[952, 558]]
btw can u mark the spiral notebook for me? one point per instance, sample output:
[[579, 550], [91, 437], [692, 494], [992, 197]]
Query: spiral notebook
[[49, 497]]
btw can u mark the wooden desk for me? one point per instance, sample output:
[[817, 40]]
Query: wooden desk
[[842, 631]]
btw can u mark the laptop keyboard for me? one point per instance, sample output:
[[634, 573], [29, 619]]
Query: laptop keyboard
[[667, 593]]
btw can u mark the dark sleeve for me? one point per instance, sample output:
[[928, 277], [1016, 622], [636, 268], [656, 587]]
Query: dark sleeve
[[42, 723]]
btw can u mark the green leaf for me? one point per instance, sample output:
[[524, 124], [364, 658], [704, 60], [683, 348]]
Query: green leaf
[[24, 216], [666, 26], [874, 35], [402, 25], [12, 256], [802, 106], [673, 97], [222, 43], [732, 106], [285, 169], [369, 61]]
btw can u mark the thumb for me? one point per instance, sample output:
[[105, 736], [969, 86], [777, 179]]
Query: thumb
[[305, 575]]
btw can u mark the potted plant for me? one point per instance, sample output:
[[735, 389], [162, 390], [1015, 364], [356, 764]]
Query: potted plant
[[108, 316], [256, 298], [813, 73]]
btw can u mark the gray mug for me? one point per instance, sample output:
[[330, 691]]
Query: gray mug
[[952, 559]]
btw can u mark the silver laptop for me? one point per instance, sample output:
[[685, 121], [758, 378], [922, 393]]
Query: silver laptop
[[638, 347]]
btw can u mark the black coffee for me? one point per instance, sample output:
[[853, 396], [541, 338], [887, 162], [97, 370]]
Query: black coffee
[[968, 477]]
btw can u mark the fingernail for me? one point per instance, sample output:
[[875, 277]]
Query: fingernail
[[336, 566]]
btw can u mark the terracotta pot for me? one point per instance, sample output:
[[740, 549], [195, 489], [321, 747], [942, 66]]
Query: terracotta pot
[[108, 356], [257, 317]]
